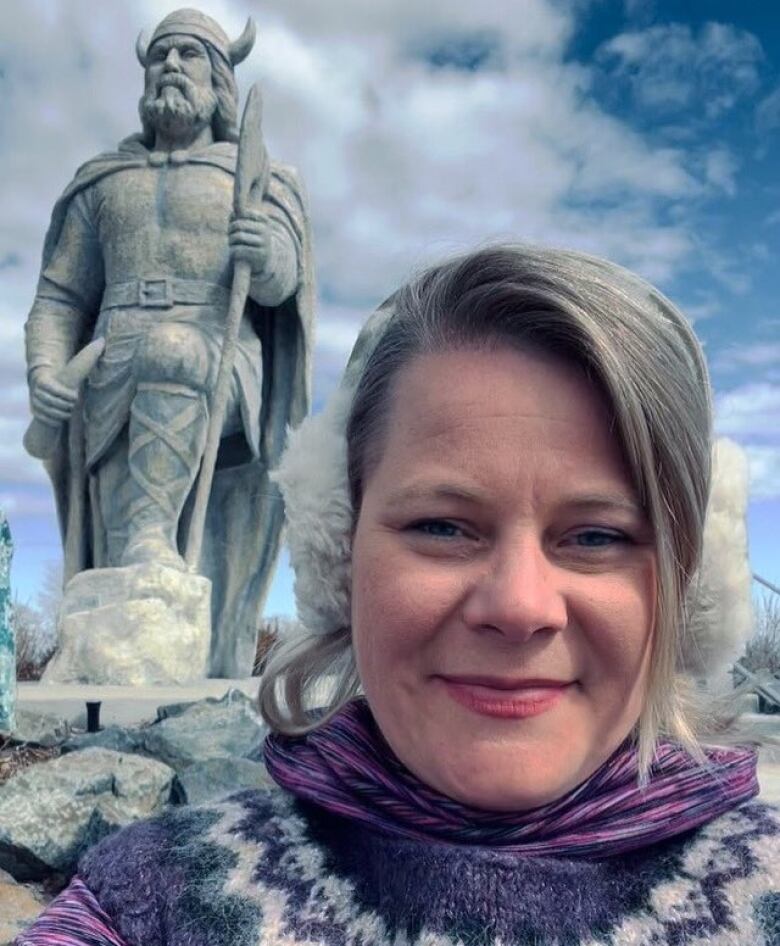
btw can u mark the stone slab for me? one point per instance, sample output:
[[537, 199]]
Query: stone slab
[[134, 626]]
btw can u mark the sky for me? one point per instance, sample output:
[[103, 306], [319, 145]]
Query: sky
[[645, 131]]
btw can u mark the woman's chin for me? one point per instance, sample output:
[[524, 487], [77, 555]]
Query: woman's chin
[[493, 794], [488, 780]]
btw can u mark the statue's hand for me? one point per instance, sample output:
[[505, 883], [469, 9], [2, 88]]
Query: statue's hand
[[251, 240], [52, 402]]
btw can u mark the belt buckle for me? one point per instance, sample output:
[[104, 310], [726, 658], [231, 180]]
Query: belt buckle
[[155, 292]]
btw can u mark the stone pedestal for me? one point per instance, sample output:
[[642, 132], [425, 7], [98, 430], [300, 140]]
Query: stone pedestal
[[135, 626]]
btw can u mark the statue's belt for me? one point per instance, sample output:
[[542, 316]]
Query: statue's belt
[[163, 292]]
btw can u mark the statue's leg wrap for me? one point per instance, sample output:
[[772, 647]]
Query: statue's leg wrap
[[167, 437]]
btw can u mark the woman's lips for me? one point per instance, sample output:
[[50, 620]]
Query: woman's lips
[[516, 703]]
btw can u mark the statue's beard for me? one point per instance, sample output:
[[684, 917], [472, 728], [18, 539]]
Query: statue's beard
[[177, 107]]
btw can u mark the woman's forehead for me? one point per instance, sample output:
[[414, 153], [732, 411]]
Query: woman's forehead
[[502, 417], [462, 388]]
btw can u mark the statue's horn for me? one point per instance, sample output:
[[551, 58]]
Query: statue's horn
[[240, 48], [142, 47]]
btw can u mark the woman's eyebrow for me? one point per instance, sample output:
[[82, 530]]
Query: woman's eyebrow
[[585, 502], [598, 501], [436, 491]]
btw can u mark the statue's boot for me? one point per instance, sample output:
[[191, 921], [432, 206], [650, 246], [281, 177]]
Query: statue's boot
[[167, 437]]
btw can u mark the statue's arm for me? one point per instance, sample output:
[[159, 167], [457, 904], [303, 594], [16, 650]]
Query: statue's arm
[[69, 290], [278, 279], [269, 237]]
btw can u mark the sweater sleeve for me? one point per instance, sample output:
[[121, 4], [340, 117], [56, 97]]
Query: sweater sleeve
[[74, 918]]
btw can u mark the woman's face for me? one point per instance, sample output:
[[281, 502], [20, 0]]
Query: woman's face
[[503, 579]]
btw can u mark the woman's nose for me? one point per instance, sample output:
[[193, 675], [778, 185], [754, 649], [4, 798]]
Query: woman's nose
[[519, 593]]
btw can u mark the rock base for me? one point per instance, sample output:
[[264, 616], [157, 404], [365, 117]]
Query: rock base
[[50, 813], [135, 626], [19, 907]]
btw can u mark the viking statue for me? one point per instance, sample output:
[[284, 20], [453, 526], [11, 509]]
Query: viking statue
[[140, 253]]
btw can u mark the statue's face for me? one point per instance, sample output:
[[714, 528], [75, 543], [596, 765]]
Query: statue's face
[[177, 55], [178, 92]]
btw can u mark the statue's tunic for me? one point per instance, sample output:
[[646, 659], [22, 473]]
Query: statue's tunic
[[122, 236], [138, 239]]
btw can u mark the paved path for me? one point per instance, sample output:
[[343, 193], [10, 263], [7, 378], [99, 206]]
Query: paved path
[[121, 706]]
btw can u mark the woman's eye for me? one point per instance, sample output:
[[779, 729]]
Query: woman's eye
[[598, 538], [437, 528]]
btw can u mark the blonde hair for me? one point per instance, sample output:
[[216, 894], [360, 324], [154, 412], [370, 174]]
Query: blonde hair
[[642, 354]]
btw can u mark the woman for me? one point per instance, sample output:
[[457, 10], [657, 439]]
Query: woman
[[496, 528]]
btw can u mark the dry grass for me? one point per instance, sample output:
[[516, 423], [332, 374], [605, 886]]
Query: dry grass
[[270, 630], [16, 757], [34, 644], [763, 649]]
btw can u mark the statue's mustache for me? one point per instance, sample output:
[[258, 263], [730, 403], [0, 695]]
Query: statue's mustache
[[178, 81]]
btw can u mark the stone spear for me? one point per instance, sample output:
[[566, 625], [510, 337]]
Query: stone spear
[[253, 171]]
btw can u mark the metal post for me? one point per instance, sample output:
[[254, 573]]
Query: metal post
[[766, 584], [7, 634], [93, 717]]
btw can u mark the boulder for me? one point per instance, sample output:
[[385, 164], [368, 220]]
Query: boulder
[[19, 907], [50, 813], [176, 709], [213, 779], [209, 729], [112, 737], [39, 729]]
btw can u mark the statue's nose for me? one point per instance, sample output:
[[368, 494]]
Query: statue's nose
[[172, 60]]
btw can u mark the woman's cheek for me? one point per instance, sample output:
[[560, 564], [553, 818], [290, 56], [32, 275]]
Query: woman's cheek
[[617, 632]]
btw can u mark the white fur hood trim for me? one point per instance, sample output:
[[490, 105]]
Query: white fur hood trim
[[720, 602], [312, 477]]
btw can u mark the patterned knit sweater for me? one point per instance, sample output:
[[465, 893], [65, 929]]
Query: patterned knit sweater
[[263, 868]]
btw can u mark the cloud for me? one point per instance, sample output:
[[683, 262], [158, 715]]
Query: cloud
[[639, 9], [753, 355], [751, 411], [764, 463], [720, 170], [703, 306], [406, 162], [768, 113], [671, 68], [27, 504]]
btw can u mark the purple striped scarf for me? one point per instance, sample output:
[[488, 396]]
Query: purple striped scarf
[[348, 768], [74, 918]]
